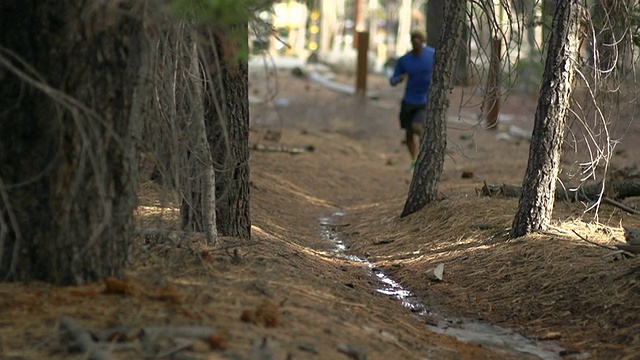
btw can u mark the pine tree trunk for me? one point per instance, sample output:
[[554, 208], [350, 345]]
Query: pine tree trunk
[[67, 161], [426, 177], [227, 120], [536, 203]]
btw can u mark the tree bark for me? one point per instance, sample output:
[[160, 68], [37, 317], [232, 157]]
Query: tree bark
[[435, 17], [68, 170], [227, 120], [426, 177], [536, 203]]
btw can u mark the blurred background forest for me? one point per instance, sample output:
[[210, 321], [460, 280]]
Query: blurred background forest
[[327, 30]]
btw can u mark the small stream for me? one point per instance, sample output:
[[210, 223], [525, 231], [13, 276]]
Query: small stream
[[486, 335]]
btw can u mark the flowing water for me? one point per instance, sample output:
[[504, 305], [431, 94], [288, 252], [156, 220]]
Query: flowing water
[[486, 335]]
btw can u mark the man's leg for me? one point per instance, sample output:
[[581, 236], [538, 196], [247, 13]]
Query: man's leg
[[411, 144], [414, 134]]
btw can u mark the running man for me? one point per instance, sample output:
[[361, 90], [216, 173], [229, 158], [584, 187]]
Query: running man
[[416, 68]]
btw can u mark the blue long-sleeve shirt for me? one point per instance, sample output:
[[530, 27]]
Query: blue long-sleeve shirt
[[419, 67]]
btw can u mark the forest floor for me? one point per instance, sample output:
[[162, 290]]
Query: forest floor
[[333, 272]]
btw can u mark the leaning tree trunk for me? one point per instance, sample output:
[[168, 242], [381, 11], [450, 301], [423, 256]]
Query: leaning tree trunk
[[67, 160], [426, 177], [227, 121], [536, 203]]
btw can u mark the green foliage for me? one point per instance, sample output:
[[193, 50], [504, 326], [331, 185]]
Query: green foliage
[[223, 12], [233, 15]]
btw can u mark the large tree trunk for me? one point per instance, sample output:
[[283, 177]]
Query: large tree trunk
[[426, 177], [227, 120], [67, 160], [536, 203]]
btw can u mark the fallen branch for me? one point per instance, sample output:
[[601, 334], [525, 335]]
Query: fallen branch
[[593, 242], [183, 345], [633, 249], [620, 206], [188, 332], [616, 255], [619, 189], [282, 148], [233, 246], [167, 341], [83, 340], [114, 334], [154, 236]]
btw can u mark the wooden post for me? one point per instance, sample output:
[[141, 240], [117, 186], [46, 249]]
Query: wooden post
[[361, 71], [360, 22], [492, 99]]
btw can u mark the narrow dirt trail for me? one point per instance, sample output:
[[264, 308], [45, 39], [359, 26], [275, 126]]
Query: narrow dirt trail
[[357, 160], [358, 167]]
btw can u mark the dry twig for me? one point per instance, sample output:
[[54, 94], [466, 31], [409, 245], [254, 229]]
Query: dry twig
[[593, 242], [620, 205]]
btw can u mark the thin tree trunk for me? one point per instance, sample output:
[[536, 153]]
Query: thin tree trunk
[[536, 203], [426, 177], [199, 205]]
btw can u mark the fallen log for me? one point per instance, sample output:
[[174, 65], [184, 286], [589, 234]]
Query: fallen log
[[617, 190], [294, 150]]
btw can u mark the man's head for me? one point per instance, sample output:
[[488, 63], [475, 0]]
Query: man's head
[[417, 40]]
